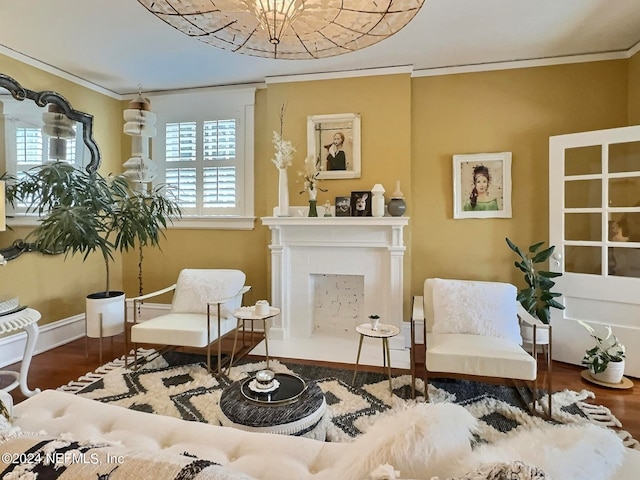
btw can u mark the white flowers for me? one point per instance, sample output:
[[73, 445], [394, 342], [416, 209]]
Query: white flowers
[[284, 151], [310, 175]]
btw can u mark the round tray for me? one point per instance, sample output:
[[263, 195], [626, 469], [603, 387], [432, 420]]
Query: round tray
[[624, 383], [290, 389]]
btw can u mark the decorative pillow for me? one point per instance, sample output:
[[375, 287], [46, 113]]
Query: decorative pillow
[[480, 308], [7, 430], [504, 471], [28, 456], [196, 287], [567, 452], [420, 441]]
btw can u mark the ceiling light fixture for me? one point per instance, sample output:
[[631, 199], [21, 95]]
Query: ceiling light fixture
[[287, 29]]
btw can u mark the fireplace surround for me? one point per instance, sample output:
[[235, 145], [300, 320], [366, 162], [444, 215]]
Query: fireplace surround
[[304, 248]]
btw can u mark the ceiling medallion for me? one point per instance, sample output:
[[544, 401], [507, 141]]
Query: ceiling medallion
[[287, 29]]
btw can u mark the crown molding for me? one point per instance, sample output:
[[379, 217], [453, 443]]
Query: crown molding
[[57, 72], [513, 64], [633, 50], [365, 72]]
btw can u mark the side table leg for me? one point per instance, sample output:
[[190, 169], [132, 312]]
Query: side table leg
[[355, 369], [32, 337], [266, 339], [385, 349], [235, 341]]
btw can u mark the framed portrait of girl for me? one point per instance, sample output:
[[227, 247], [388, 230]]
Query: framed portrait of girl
[[482, 185]]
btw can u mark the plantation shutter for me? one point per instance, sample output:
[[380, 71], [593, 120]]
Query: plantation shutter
[[201, 165]]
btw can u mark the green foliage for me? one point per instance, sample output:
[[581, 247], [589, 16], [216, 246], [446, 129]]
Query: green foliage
[[537, 297], [84, 212], [608, 349]]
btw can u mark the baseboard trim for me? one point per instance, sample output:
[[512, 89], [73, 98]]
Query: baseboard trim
[[51, 335], [61, 332]]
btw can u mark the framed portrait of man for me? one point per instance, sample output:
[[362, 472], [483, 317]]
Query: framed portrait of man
[[482, 185], [334, 142]]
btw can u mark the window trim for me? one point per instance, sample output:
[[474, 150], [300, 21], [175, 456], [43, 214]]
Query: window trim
[[186, 106]]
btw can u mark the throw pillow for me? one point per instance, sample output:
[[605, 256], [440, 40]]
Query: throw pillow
[[63, 458], [479, 308], [504, 471], [567, 452], [196, 287], [7, 430], [421, 441]]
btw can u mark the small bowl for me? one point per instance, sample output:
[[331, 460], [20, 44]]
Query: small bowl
[[264, 379]]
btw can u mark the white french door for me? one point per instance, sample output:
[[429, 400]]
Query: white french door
[[594, 222]]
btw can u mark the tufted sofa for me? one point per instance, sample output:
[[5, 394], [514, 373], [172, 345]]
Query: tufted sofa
[[258, 455]]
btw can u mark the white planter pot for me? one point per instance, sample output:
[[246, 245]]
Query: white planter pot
[[612, 374], [110, 309], [542, 335]]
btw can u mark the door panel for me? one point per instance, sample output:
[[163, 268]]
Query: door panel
[[594, 222]]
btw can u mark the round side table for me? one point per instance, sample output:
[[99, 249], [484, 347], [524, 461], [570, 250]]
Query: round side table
[[384, 331], [26, 320], [249, 313]]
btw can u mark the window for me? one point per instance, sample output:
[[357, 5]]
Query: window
[[204, 148]]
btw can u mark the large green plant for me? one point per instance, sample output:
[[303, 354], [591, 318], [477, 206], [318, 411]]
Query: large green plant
[[84, 212], [537, 297]]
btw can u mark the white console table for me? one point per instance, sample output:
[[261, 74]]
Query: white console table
[[26, 320]]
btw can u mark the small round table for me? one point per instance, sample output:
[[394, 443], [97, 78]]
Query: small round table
[[384, 331], [27, 320], [297, 408], [249, 313]]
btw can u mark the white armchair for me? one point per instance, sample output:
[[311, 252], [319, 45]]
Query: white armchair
[[472, 328], [201, 312]]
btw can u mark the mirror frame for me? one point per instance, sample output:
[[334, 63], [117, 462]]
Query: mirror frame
[[42, 99]]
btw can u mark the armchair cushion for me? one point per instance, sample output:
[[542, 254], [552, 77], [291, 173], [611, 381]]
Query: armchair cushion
[[196, 287], [473, 307]]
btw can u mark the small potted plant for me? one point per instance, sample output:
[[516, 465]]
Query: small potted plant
[[537, 297], [375, 321], [606, 359]]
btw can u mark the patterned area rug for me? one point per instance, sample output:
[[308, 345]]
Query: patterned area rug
[[178, 385]]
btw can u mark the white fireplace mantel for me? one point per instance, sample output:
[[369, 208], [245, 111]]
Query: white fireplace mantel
[[370, 247]]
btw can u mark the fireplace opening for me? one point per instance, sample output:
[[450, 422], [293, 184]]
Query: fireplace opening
[[337, 303]]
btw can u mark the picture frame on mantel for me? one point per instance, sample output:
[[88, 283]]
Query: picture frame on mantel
[[334, 142], [482, 185]]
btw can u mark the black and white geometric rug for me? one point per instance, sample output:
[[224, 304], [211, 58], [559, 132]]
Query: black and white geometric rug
[[179, 385]]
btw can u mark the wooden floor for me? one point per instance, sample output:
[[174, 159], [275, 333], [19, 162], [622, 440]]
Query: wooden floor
[[57, 367]]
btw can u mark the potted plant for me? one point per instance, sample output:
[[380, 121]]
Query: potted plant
[[537, 297], [605, 360], [84, 212]]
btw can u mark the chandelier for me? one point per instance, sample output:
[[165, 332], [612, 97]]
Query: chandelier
[[287, 29]]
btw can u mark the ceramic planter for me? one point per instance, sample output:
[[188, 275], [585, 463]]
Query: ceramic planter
[[612, 374], [112, 310]]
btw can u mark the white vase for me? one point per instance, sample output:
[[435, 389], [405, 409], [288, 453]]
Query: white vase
[[283, 193], [313, 193], [612, 374]]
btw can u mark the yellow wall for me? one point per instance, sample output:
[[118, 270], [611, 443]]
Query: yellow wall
[[410, 130], [55, 286], [510, 110], [634, 89], [383, 102]]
